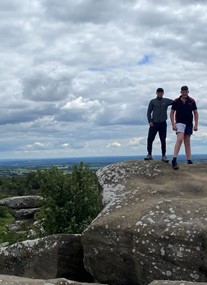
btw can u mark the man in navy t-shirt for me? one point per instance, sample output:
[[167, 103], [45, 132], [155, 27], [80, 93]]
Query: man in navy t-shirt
[[183, 110]]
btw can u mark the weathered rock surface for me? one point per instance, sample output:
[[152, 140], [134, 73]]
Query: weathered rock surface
[[21, 214], [168, 282], [153, 226], [22, 202], [23, 207], [50, 257], [14, 280]]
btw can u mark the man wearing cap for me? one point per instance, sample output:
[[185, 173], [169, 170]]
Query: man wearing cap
[[183, 110], [157, 117]]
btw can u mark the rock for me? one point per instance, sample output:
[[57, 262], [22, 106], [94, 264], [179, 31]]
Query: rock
[[153, 225], [24, 214], [22, 202], [4, 244], [23, 207], [168, 282], [50, 257], [14, 280]]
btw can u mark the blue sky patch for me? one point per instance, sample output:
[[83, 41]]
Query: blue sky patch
[[145, 60]]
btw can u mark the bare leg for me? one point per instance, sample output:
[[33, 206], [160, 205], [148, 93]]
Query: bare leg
[[187, 146], [180, 138]]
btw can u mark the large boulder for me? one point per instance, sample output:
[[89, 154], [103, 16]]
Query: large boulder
[[153, 225], [50, 257], [22, 202], [24, 214], [23, 207]]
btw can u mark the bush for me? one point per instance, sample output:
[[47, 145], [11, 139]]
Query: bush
[[6, 219], [11, 237], [71, 200], [3, 211], [13, 186]]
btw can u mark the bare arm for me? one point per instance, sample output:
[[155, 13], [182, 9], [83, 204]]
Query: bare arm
[[195, 112], [172, 118]]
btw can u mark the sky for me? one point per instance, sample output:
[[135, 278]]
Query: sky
[[76, 76]]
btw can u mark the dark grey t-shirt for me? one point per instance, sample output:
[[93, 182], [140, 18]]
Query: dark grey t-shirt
[[157, 110]]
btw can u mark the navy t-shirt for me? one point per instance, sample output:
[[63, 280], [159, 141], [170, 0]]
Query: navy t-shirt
[[184, 110]]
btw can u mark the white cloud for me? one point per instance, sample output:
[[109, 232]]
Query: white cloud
[[113, 145], [65, 145], [81, 103], [37, 145], [137, 141]]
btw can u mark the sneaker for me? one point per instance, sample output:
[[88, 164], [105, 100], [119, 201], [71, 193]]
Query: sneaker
[[164, 158], [190, 162], [175, 165], [148, 157]]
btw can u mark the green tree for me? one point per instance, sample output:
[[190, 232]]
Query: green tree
[[31, 181], [14, 186], [71, 200]]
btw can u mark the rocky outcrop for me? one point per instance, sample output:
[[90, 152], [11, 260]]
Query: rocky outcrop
[[24, 214], [50, 257], [153, 225], [14, 280], [23, 207], [168, 282], [22, 202]]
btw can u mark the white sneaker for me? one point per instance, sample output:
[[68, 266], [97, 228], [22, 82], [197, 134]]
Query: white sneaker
[[148, 157], [165, 159]]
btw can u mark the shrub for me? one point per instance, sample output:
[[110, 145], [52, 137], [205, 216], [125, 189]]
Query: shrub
[[71, 200], [3, 211]]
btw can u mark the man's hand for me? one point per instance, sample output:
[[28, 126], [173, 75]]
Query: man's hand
[[195, 128], [151, 124]]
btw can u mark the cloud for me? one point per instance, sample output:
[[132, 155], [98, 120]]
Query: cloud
[[47, 83], [78, 77], [137, 141], [81, 103], [114, 145], [65, 145], [78, 109], [37, 145]]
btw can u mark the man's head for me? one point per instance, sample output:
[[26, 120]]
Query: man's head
[[184, 91], [160, 92]]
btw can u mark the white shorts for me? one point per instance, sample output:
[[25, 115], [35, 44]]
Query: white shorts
[[180, 128]]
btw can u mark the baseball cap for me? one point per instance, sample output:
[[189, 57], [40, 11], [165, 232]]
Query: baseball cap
[[160, 90], [184, 88]]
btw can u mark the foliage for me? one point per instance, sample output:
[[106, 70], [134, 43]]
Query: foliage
[[19, 185], [5, 219], [9, 235], [2, 196], [3, 211], [12, 186], [31, 181], [71, 200]]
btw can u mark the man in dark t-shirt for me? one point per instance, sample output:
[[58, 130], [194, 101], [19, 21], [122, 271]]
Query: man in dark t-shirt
[[183, 110]]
